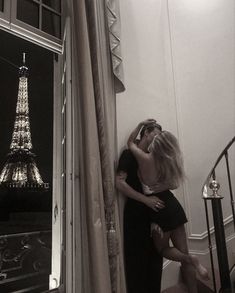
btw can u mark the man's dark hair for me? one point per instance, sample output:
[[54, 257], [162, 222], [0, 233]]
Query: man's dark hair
[[150, 127]]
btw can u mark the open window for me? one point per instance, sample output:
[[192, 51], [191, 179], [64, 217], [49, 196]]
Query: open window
[[39, 26]]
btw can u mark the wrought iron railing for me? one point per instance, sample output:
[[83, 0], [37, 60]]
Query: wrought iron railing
[[25, 261], [217, 212]]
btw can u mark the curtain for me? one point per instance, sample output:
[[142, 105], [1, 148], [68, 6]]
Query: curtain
[[114, 26], [94, 84]]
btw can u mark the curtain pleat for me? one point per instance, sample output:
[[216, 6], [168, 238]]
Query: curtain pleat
[[114, 26], [102, 266]]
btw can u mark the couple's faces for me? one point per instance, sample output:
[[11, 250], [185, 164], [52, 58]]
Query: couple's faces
[[152, 134], [150, 137]]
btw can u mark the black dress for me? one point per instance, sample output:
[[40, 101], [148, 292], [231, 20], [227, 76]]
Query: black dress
[[143, 264], [170, 217]]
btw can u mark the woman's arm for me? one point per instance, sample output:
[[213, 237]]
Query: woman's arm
[[137, 152], [136, 131], [134, 134]]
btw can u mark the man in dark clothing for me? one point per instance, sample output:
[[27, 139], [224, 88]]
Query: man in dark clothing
[[143, 265]]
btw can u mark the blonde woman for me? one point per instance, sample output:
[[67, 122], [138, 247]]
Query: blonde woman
[[161, 170]]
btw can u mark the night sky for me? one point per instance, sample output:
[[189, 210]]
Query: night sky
[[40, 86]]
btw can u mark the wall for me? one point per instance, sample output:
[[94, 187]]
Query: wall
[[180, 68]]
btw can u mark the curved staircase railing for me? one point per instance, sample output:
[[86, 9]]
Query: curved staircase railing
[[215, 199]]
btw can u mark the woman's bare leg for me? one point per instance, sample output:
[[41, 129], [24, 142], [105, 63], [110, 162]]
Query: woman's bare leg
[[177, 253], [179, 240], [172, 253], [180, 253]]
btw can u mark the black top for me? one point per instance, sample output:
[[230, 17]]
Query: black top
[[143, 265], [128, 164]]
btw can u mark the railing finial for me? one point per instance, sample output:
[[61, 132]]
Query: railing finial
[[214, 185]]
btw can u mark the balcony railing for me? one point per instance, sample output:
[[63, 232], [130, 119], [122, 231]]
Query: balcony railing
[[25, 262]]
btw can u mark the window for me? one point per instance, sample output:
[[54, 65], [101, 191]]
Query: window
[[4, 13], [1, 5], [50, 22], [28, 12], [40, 21], [43, 15]]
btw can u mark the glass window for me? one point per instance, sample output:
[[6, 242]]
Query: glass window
[[38, 20], [1, 5], [54, 4], [28, 12], [51, 23]]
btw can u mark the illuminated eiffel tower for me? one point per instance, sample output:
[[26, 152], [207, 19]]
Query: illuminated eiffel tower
[[20, 171]]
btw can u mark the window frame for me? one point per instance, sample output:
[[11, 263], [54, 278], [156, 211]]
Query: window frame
[[63, 229], [5, 15], [9, 22]]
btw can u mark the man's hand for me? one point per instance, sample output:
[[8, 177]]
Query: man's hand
[[121, 175], [155, 228], [154, 203]]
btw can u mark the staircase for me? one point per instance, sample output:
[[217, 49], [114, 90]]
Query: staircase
[[180, 288], [222, 280], [203, 286]]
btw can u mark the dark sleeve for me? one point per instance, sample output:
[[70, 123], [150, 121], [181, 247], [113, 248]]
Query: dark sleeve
[[125, 161], [128, 164]]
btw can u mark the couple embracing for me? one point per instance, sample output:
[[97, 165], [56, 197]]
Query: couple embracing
[[147, 172]]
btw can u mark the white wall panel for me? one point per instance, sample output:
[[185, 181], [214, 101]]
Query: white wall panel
[[179, 67]]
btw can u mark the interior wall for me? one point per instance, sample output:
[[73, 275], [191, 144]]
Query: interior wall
[[179, 68]]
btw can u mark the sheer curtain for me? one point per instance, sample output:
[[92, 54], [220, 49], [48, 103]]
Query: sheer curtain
[[97, 75]]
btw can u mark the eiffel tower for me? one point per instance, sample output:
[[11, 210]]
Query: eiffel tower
[[20, 171]]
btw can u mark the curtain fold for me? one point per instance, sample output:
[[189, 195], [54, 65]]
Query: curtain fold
[[114, 25], [102, 265]]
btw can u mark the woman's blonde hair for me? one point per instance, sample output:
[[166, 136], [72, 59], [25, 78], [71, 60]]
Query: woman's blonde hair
[[168, 158]]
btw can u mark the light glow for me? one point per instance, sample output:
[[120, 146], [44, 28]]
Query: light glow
[[20, 169]]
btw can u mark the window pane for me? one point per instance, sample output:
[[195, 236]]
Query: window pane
[[1, 5], [28, 12], [55, 4], [51, 23]]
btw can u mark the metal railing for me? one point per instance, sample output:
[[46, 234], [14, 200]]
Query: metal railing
[[25, 261], [217, 212]]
